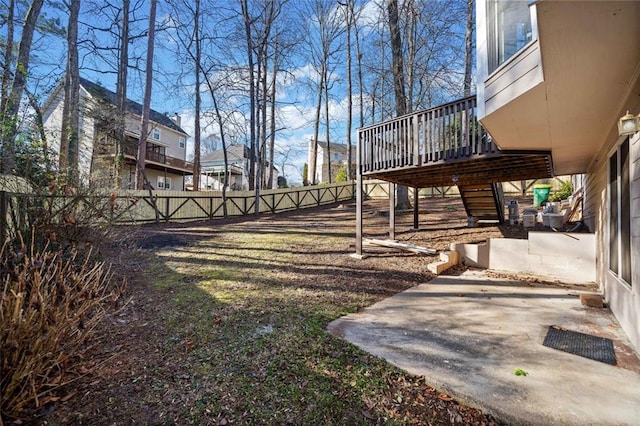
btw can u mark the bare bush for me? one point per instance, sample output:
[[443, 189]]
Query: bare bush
[[50, 305]]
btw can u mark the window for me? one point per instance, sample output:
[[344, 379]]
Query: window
[[336, 156], [620, 213], [182, 141], [155, 133], [164, 182], [509, 29]]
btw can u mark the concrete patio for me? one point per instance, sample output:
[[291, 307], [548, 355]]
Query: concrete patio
[[467, 335]]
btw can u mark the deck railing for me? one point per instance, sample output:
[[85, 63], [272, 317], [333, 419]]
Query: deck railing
[[159, 157], [446, 132]]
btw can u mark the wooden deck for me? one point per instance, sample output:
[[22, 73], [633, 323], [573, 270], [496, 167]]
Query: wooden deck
[[445, 145]]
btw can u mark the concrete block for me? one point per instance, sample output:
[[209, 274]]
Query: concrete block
[[592, 300], [474, 255], [450, 256]]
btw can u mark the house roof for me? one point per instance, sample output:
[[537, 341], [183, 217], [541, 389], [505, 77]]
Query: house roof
[[338, 148], [234, 153], [97, 90]]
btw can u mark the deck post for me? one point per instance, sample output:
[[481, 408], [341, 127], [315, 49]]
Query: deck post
[[415, 208], [359, 198], [359, 214], [392, 211]]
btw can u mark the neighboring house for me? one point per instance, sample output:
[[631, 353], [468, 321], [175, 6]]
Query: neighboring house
[[558, 75], [165, 164], [336, 152], [212, 169]]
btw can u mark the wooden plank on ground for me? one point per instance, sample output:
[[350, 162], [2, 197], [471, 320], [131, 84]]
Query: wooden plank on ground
[[400, 246]]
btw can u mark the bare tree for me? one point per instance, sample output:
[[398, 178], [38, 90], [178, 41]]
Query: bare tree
[[402, 202], [8, 55], [468, 51], [198, 104], [349, 18], [146, 103], [187, 19], [69, 135], [12, 103], [398, 61], [323, 43], [248, 22], [121, 91]]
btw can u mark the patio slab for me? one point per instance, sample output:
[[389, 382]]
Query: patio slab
[[467, 335]]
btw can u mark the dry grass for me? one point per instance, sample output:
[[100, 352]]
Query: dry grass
[[50, 306]]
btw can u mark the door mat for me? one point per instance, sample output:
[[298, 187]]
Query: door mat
[[585, 345]]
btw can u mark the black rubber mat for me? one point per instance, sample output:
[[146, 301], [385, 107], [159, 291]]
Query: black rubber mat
[[585, 345]]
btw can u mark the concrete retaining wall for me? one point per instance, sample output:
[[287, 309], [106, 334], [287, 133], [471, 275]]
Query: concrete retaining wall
[[565, 257]]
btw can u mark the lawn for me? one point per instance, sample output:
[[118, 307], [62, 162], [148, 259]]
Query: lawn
[[226, 325]]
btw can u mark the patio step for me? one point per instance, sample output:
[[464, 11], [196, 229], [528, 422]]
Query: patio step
[[447, 260]]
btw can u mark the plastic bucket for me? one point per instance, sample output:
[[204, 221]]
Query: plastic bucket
[[555, 220], [540, 194]]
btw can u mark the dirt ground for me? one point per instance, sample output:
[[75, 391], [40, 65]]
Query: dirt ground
[[192, 345]]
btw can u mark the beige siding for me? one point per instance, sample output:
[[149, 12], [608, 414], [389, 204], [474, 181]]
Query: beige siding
[[169, 138], [623, 300], [520, 74]]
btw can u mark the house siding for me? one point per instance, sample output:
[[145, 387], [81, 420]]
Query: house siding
[[97, 167], [53, 125], [519, 75], [623, 300]]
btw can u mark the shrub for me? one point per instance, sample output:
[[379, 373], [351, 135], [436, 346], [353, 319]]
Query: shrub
[[50, 305], [341, 176], [565, 191]]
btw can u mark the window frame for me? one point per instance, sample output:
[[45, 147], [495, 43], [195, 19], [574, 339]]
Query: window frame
[[156, 135], [619, 216], [496, 56], [182, 142], [164, 182]]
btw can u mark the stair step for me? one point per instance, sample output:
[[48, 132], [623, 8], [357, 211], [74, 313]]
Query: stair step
[[438, 267]]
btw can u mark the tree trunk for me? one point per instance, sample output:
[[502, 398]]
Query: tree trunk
[[360, 83], [316, 129], [326, 128], [219, 120], [69, 148], [272, 96], [468, 51], [9, 114], [402, 201], [121, 95], [8, 55], [146, 103], [252, 93], [349, 11], [412, 22], [196, 136], [396, 54]]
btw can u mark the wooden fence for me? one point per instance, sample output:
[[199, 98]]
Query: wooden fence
[[19, 209], [374, 188]]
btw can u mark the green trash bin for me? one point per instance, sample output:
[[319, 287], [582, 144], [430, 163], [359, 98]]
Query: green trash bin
[[540, 194]]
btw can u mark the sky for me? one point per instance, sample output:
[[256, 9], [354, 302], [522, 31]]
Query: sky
[[173, 90]]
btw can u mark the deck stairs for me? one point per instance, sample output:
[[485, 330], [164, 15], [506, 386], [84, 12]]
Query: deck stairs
[[483, 201]]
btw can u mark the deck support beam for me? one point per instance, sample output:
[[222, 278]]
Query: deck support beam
[[359, 215], [392, 211], [415, 208]]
